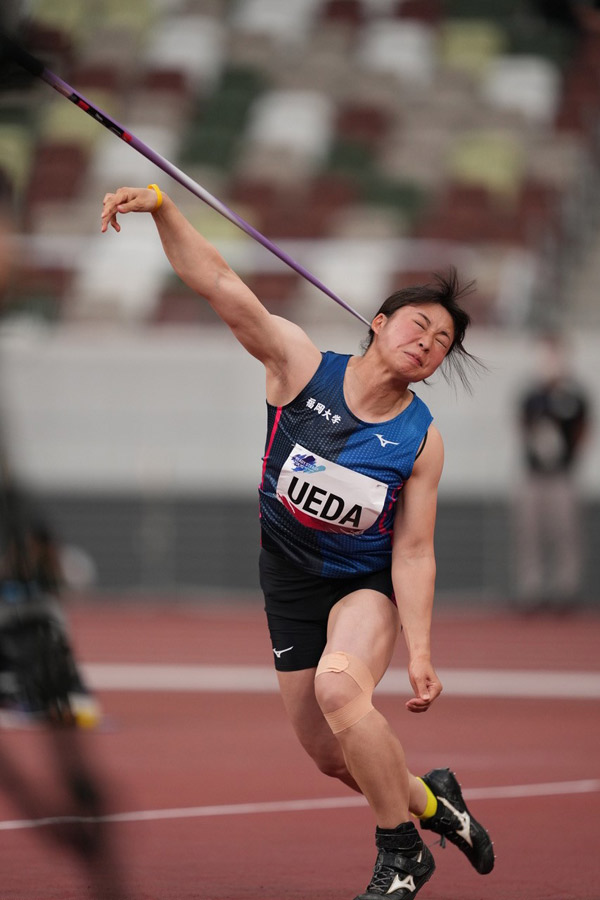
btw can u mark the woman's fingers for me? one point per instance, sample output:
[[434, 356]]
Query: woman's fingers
[[125, 200]]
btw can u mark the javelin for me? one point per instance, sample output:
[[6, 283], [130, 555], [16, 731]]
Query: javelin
[[37, 68]]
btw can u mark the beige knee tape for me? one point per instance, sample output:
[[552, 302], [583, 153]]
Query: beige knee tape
[[359, 706]]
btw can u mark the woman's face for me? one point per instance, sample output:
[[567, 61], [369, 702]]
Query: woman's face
[[415, 339]]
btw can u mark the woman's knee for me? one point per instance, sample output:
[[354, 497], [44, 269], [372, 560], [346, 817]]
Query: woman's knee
[[333, 691], [343, 688]]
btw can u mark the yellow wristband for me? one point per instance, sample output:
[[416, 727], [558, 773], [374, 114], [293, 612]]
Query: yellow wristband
[[159, 197]]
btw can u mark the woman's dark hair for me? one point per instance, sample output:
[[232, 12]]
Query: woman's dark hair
[[448, 292]]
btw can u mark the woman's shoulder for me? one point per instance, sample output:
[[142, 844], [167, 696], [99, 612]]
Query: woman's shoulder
[[334, 359], [430, 459], [419, 408]]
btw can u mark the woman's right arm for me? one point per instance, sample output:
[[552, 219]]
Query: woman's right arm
[[288, 354]]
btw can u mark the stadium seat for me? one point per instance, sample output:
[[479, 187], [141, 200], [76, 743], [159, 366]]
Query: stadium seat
[[527, 85], [39, 292], [402, 195], [404, 49], [403, 278], [57, 172], [16, 151], [363, 222], [362, 122], [539, 208], [276, 290], [355, 270], [323, 66], [289, 23], [301, 121], [135, 16], [492, 158], [349, 12], [192, 44], [163, 98], [470, 45], [91, 78], [471, 214], [208, 145], [60, 121], [218, 120], [295, 215], [163, 80], [99, 289], [55, 44], [560, 162], [580, 97], [114, 163], [459, 213], [255, 194], [351, 158], [176, 305], [333, 191], [417, 152], [67, 15], [428, 11]]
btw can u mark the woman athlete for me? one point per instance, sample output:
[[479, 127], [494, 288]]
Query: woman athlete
[[348, 503]]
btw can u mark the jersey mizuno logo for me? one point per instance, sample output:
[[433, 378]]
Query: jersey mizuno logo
[[279, 652], [384, 442]]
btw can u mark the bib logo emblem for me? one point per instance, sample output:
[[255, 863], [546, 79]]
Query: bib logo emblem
[[305, 462]]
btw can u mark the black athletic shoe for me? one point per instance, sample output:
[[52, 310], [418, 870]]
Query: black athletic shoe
[[453, 821], [403, 864]]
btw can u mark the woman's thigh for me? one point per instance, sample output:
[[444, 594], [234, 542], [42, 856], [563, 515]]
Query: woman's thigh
[[364, 624]]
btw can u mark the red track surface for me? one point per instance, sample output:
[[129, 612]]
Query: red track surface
[[178, 750]]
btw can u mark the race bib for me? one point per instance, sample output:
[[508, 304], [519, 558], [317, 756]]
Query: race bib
[[328, 497]]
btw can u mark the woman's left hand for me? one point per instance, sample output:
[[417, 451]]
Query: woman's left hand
[[425, 683], [126, 200]]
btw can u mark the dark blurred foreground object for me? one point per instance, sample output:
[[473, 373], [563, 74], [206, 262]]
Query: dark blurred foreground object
[[71, 808], [39, 677]]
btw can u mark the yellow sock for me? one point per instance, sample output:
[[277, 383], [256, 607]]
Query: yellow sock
[[432, 804]]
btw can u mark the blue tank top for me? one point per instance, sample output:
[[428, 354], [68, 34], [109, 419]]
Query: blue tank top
[[330, 481]]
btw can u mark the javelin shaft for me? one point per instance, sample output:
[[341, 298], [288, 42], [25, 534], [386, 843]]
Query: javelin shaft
[[34, 66]]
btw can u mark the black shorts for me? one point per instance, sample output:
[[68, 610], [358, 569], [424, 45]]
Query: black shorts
[[298, 603]]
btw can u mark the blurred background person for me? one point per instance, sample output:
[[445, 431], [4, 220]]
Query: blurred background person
[[554, 415]]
